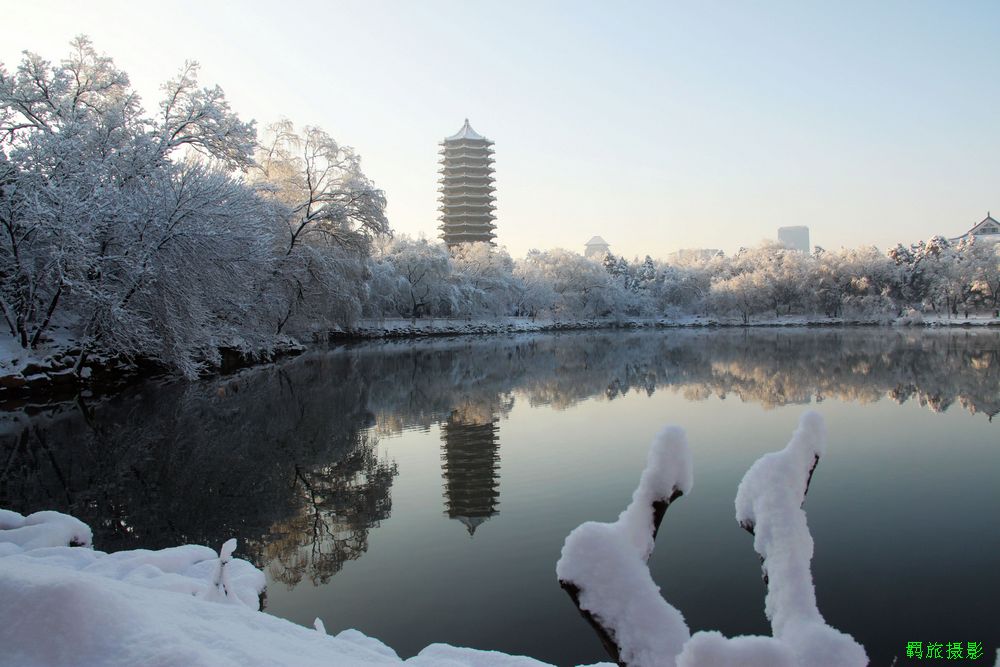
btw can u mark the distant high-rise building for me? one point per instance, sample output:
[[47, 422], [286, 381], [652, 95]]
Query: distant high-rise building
[[466, 188], [596, 248], [796, 238]]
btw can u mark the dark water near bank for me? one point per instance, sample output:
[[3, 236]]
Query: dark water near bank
[[421, 491]]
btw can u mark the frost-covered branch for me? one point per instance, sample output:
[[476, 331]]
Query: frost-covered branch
[[606, 565], [769, 505], [603, 565]]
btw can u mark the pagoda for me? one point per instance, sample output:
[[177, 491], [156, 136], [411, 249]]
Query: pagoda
[[466, 188], [470, 465]]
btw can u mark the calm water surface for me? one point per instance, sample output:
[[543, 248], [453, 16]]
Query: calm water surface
[[421, 491]]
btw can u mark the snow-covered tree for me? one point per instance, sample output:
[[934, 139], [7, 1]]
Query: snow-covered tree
[[984, 270], [485, 277], [330, 201], [646, 273], [744, 293], [582, 287], [533, 291], [101, 212], [331, 213], [422, 272]]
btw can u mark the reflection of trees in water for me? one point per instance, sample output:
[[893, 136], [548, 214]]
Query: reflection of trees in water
[[780, 368], [340, 502], [172, 463], [419, 384], [283, 456]]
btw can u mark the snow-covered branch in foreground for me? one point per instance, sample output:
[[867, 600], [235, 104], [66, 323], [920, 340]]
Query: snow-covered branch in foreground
[[604, 567]]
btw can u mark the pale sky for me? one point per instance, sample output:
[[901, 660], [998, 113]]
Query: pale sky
[[657, 125]]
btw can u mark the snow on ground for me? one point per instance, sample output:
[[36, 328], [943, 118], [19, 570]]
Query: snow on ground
[[186, 606], [39, 530], [607, 562]]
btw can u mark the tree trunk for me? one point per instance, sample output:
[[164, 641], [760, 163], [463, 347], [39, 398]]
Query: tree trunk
[[48, 317]]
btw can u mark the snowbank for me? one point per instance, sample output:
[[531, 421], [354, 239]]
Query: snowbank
[[186, 606], [52, 539], [39, 530]]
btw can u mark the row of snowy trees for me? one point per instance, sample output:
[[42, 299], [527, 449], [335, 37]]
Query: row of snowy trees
[[419, 278], [171, 234], [168, 235]]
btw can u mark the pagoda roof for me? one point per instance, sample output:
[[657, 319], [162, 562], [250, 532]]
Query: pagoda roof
[[466, 133], [457, 157], [466, 236], [452, 147], [597, 240], [483, 177], [451, 168], [479, 218], [466, 163], [449, 209]]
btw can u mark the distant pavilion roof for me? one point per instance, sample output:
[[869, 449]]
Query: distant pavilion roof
[[988, 226], [597, 240], [466, 133], [988, 218]]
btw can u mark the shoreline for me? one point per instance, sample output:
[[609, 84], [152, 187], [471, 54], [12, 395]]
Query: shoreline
[[405, 328], [39, 383]]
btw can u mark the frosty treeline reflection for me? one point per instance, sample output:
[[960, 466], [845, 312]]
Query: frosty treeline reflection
[[772, 367], [285, 456]]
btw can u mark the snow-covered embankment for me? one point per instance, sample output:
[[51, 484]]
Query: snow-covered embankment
[[186, 606]]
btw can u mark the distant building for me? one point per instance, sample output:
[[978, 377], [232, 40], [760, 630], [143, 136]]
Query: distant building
[[466, 188], [596, 248], [796, 238], [987, 230]]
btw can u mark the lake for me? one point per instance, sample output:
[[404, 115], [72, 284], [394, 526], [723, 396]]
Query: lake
[[420, 491]]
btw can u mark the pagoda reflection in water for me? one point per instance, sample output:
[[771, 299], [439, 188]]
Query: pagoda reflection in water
[[470, 464]]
